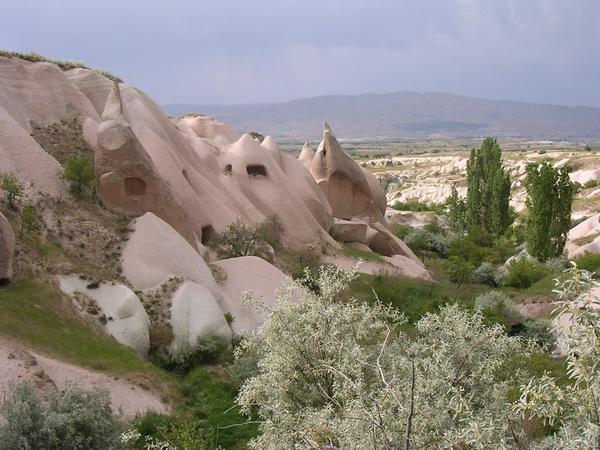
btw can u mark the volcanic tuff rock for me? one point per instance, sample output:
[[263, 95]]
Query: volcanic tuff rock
[[7, 249]]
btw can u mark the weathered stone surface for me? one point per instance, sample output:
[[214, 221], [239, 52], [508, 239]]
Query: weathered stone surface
[[127, 320], [349, 231], [249, 273], [7, 249], [350, 190], [195, 313]]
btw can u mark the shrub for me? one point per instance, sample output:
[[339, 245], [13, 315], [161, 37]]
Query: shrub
[[401, 230], [73, 419], [485, 273], [540, 331], [459, 271], [12, 188], [271, 231], [588, 261], [416, 206], [421, 241], [29, 220], [500, 308], [79, 172], [241, 239], [208, 350], [557, 264], [522, 273]]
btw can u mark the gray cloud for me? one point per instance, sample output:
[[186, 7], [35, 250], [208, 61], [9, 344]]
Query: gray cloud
[[267, 50]]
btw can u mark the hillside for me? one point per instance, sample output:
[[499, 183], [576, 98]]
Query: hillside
[[406, 115]]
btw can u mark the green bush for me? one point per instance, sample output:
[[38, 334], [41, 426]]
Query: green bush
[[499, 308], [540, 331], [480, 247], [522, 273], [69, 420], [401, 230], [208, 350], [588, 261], [421, 241], [242, 239], [485, 273], [12, 187], [557, 265], [416, 206], [79, 173], [459, 271]]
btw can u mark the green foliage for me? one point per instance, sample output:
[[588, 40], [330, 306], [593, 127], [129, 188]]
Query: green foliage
[[37, 315], [588, 261], [457, 212], [488, 190], [158, 431], [341, 374], [271, 231], [522, 273], [12, 187], [478, 247], [485, 273], [29, 220], [549, 200], [417, 206], [500, 308], [458, 270], [571, 408], [69, 420], [208, 350], [423, 241], [296, 260], [79, 173], [357, 253], [587, 148], [401, 230], [241, 239]]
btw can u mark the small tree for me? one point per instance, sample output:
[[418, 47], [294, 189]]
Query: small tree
[[29, 220], [12, 188], [549, 200], [488, 190], [587, 148], [459, 270], [240, 239], [79, 172], [457, 212]]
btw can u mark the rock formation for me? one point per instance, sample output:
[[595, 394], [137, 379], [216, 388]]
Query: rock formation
[[7, 249], [351, 190], [124, 315]]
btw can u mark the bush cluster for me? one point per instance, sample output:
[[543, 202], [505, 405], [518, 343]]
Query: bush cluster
[[69, 420], [522, 273], [208, 350]]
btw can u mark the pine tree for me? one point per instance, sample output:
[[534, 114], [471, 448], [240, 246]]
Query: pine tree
[[488, 190], [549, 200]]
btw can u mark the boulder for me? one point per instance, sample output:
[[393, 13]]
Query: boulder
[[7, 249], [195, 313], [155, 252], [249, 274], [408, 267], [127, 320], [383, 241], [587, 231], [348, 231]]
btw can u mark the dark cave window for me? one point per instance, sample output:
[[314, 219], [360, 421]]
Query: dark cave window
[[256, 170]]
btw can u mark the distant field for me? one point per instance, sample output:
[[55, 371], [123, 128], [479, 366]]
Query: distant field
[[369, 149]]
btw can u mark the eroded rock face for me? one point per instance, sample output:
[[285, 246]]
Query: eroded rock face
[[584, 237], [249, 273], [126, 319], [350, 190], [7, 249], [195, 313]]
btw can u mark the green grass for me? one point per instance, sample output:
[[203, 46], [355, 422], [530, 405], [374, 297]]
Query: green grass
[[354, 252], [36, 315], [414, 298], [210, 396]]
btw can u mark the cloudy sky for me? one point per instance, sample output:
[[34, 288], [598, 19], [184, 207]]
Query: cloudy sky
[[227, 51]]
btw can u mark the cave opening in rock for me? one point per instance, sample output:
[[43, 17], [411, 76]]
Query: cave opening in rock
[[207, 233], [135, 186], [228, 169], [256, 170]]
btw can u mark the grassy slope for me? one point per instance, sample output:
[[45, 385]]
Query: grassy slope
[[37, 315]]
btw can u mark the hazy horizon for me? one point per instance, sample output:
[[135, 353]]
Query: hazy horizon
[[233, 52]]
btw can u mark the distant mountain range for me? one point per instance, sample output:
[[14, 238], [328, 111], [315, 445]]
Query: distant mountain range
[[406, 115]]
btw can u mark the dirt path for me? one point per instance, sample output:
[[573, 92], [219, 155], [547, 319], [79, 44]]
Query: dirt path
[[19, 364]]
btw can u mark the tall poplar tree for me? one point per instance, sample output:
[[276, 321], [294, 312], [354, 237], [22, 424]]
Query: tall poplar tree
[[549, 200], [488, 190]]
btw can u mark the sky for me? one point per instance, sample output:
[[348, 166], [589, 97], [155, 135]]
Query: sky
[[244, 51]]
